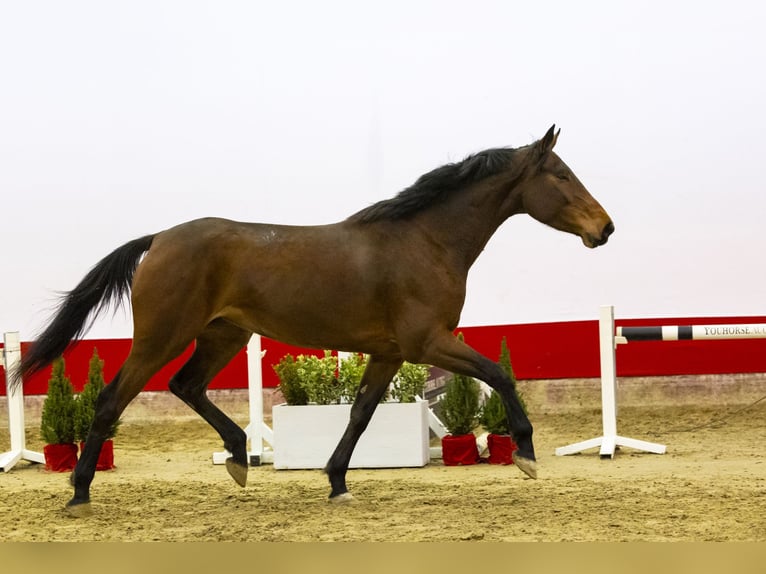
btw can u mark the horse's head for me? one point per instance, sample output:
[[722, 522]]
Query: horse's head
[[553, 195]]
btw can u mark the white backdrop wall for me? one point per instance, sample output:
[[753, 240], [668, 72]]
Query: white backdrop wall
[[121, 119]]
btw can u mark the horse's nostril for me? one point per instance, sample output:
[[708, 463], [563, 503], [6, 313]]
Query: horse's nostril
[[608, 230]]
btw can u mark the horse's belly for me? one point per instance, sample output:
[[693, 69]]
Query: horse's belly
[[318, 327]]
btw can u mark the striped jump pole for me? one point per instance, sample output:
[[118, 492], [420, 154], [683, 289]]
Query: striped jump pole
[[610, 440], [690, 333]]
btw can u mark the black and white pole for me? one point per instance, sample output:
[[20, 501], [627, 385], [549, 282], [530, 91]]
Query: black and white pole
[[610, 440], [690, 332], [11, 356]]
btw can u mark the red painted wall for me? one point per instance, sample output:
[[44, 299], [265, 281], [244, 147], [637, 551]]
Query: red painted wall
[[114, 352], [538, 351], [571, 349]]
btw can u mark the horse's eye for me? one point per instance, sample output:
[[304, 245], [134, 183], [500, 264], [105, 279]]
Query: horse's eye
[[563, 176]]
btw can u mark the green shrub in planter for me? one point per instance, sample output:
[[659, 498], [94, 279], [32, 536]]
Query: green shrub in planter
[[409, 383], [308, 379], [312, 380], [57, 420], [86, 401], [317, 375], [289, 383], [350, 372]]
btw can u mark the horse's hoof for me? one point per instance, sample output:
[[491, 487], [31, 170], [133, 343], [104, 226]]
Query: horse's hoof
[[344, 498], [79, 509], [525, 465], [237, 471]]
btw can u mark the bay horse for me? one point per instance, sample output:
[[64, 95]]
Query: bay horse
[[388, 281]]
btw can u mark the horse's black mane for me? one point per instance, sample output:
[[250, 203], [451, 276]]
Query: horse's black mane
[[436, 184]]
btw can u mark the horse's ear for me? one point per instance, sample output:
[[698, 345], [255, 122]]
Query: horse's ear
[[544, 146]]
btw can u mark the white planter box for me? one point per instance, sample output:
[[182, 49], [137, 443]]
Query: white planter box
[[305, 436]]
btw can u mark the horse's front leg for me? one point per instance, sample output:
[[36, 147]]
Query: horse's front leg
[[377, 376]]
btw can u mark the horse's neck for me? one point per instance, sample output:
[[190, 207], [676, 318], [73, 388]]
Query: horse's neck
[[464, 224]]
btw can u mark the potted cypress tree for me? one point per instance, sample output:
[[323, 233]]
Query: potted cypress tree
[[494, 419], [86, 410], [459, 412], [505, 363], [57, 421]]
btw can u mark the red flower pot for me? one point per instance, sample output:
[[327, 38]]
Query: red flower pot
[[106, 457], [501, 448], [60, 457], [459, 450]]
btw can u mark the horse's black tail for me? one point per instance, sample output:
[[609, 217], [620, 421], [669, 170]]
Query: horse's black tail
[[104, 285]]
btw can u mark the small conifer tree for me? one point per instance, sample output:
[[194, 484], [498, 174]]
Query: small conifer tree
[[57, 419], [86, 401], [493, 416], [505, 363], [460, 404]]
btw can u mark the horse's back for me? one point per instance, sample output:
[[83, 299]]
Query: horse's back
[[294, 283]]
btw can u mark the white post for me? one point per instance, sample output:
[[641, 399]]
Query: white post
[[15, 395], [255, 398], [608, 380], [610, 440], [257, 430]]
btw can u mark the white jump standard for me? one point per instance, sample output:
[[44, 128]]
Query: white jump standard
[[610, 440], [257, 430], [10, 357], [608, 342]]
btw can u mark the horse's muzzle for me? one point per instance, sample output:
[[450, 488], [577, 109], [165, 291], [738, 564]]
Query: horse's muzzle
[[593, 241]]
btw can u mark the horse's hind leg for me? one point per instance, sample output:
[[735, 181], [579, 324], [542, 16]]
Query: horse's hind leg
[[216, 346], [111, 402], [377, 376], [451, 354]]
